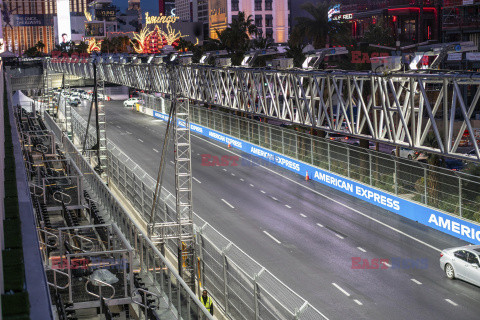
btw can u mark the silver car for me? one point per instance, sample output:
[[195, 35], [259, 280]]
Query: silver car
[[462, 263]]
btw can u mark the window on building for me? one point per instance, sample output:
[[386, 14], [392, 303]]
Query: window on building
[[269, 33], [234, 5], [409, 30], [259, 21], [269, 20], [258, 5], [268, 4]]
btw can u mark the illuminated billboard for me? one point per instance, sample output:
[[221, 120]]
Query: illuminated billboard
[[217, 17], [31, 20], [107, 13], [94, 29], [333, 11], [63, 21]]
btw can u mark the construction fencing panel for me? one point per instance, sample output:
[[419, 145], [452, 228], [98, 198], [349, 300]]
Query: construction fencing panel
[[176, 298], [239, 284], [455, 192]]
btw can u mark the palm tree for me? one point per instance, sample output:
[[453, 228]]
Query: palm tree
[[236, 36], [40, 46], [261, 43], [317, 28], [379, 33], [82, 47]]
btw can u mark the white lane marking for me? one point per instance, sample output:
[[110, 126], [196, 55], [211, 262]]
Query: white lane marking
[[241, 179], [118, 127], [358, 302], [274, 239], [172, 162], [233, 174], [251, 185], [339, 236], [156, 150], [262, 191], [128, 132], [361, 249], [288, 206], [140, 140], [228, 204], [224, 169], [416, 281], [196, 179], [331, 199], [341, 289], [451, 302], [387, 264], [303, 215], [320, 225], [274, 198]]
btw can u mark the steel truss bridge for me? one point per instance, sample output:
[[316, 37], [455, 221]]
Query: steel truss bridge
[[426, 111]]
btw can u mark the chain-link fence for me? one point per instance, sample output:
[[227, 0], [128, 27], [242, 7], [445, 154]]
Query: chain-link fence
[[452, 191], [179, 301], [239, 284]]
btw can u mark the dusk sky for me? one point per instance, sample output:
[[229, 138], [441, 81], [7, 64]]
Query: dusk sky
[[150, 6]]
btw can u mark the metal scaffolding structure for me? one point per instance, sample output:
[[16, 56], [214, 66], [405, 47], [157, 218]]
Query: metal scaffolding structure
[[47, 92], [180, 230], [399, 109]]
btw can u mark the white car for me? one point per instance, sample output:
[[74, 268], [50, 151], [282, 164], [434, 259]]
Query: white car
[[131, 102], [462, 263], [99, 96], [409, 154]]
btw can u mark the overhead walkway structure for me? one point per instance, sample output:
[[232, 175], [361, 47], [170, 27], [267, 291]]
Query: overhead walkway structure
[[423, 110]]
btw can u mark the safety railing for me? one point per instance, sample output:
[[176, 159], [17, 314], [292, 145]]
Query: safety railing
[[452, 191], [239, 284], [55, 282], [178, 298], [99, 284]]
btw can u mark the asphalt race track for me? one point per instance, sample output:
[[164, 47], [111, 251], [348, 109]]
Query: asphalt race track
[[311, 237]]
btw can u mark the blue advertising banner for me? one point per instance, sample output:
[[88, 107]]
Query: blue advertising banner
[[31, 20], [446, 223]]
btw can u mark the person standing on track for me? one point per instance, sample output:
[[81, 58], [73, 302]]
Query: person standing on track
[[207, 301]]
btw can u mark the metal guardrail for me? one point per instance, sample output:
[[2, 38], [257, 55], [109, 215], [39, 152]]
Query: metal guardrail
[[100, 284], [153, 265], [240, 285], [455, 192]]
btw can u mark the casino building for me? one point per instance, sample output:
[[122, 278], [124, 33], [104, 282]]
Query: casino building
[[270, 16], [27, 22], [411, 21]]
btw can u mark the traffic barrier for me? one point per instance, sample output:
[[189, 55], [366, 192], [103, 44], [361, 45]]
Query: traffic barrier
[[449, 224]]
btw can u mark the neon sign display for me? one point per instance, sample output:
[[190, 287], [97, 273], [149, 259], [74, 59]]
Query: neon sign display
[[152, 41], [160, 19]]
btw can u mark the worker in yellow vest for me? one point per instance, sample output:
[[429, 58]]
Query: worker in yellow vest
[[207, 301]]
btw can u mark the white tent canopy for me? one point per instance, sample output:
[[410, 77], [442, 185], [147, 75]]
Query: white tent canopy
[[19, 98]]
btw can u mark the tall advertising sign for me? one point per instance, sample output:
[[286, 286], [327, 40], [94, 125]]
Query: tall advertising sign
[[2, 48], [63, 18], [217, 17]]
